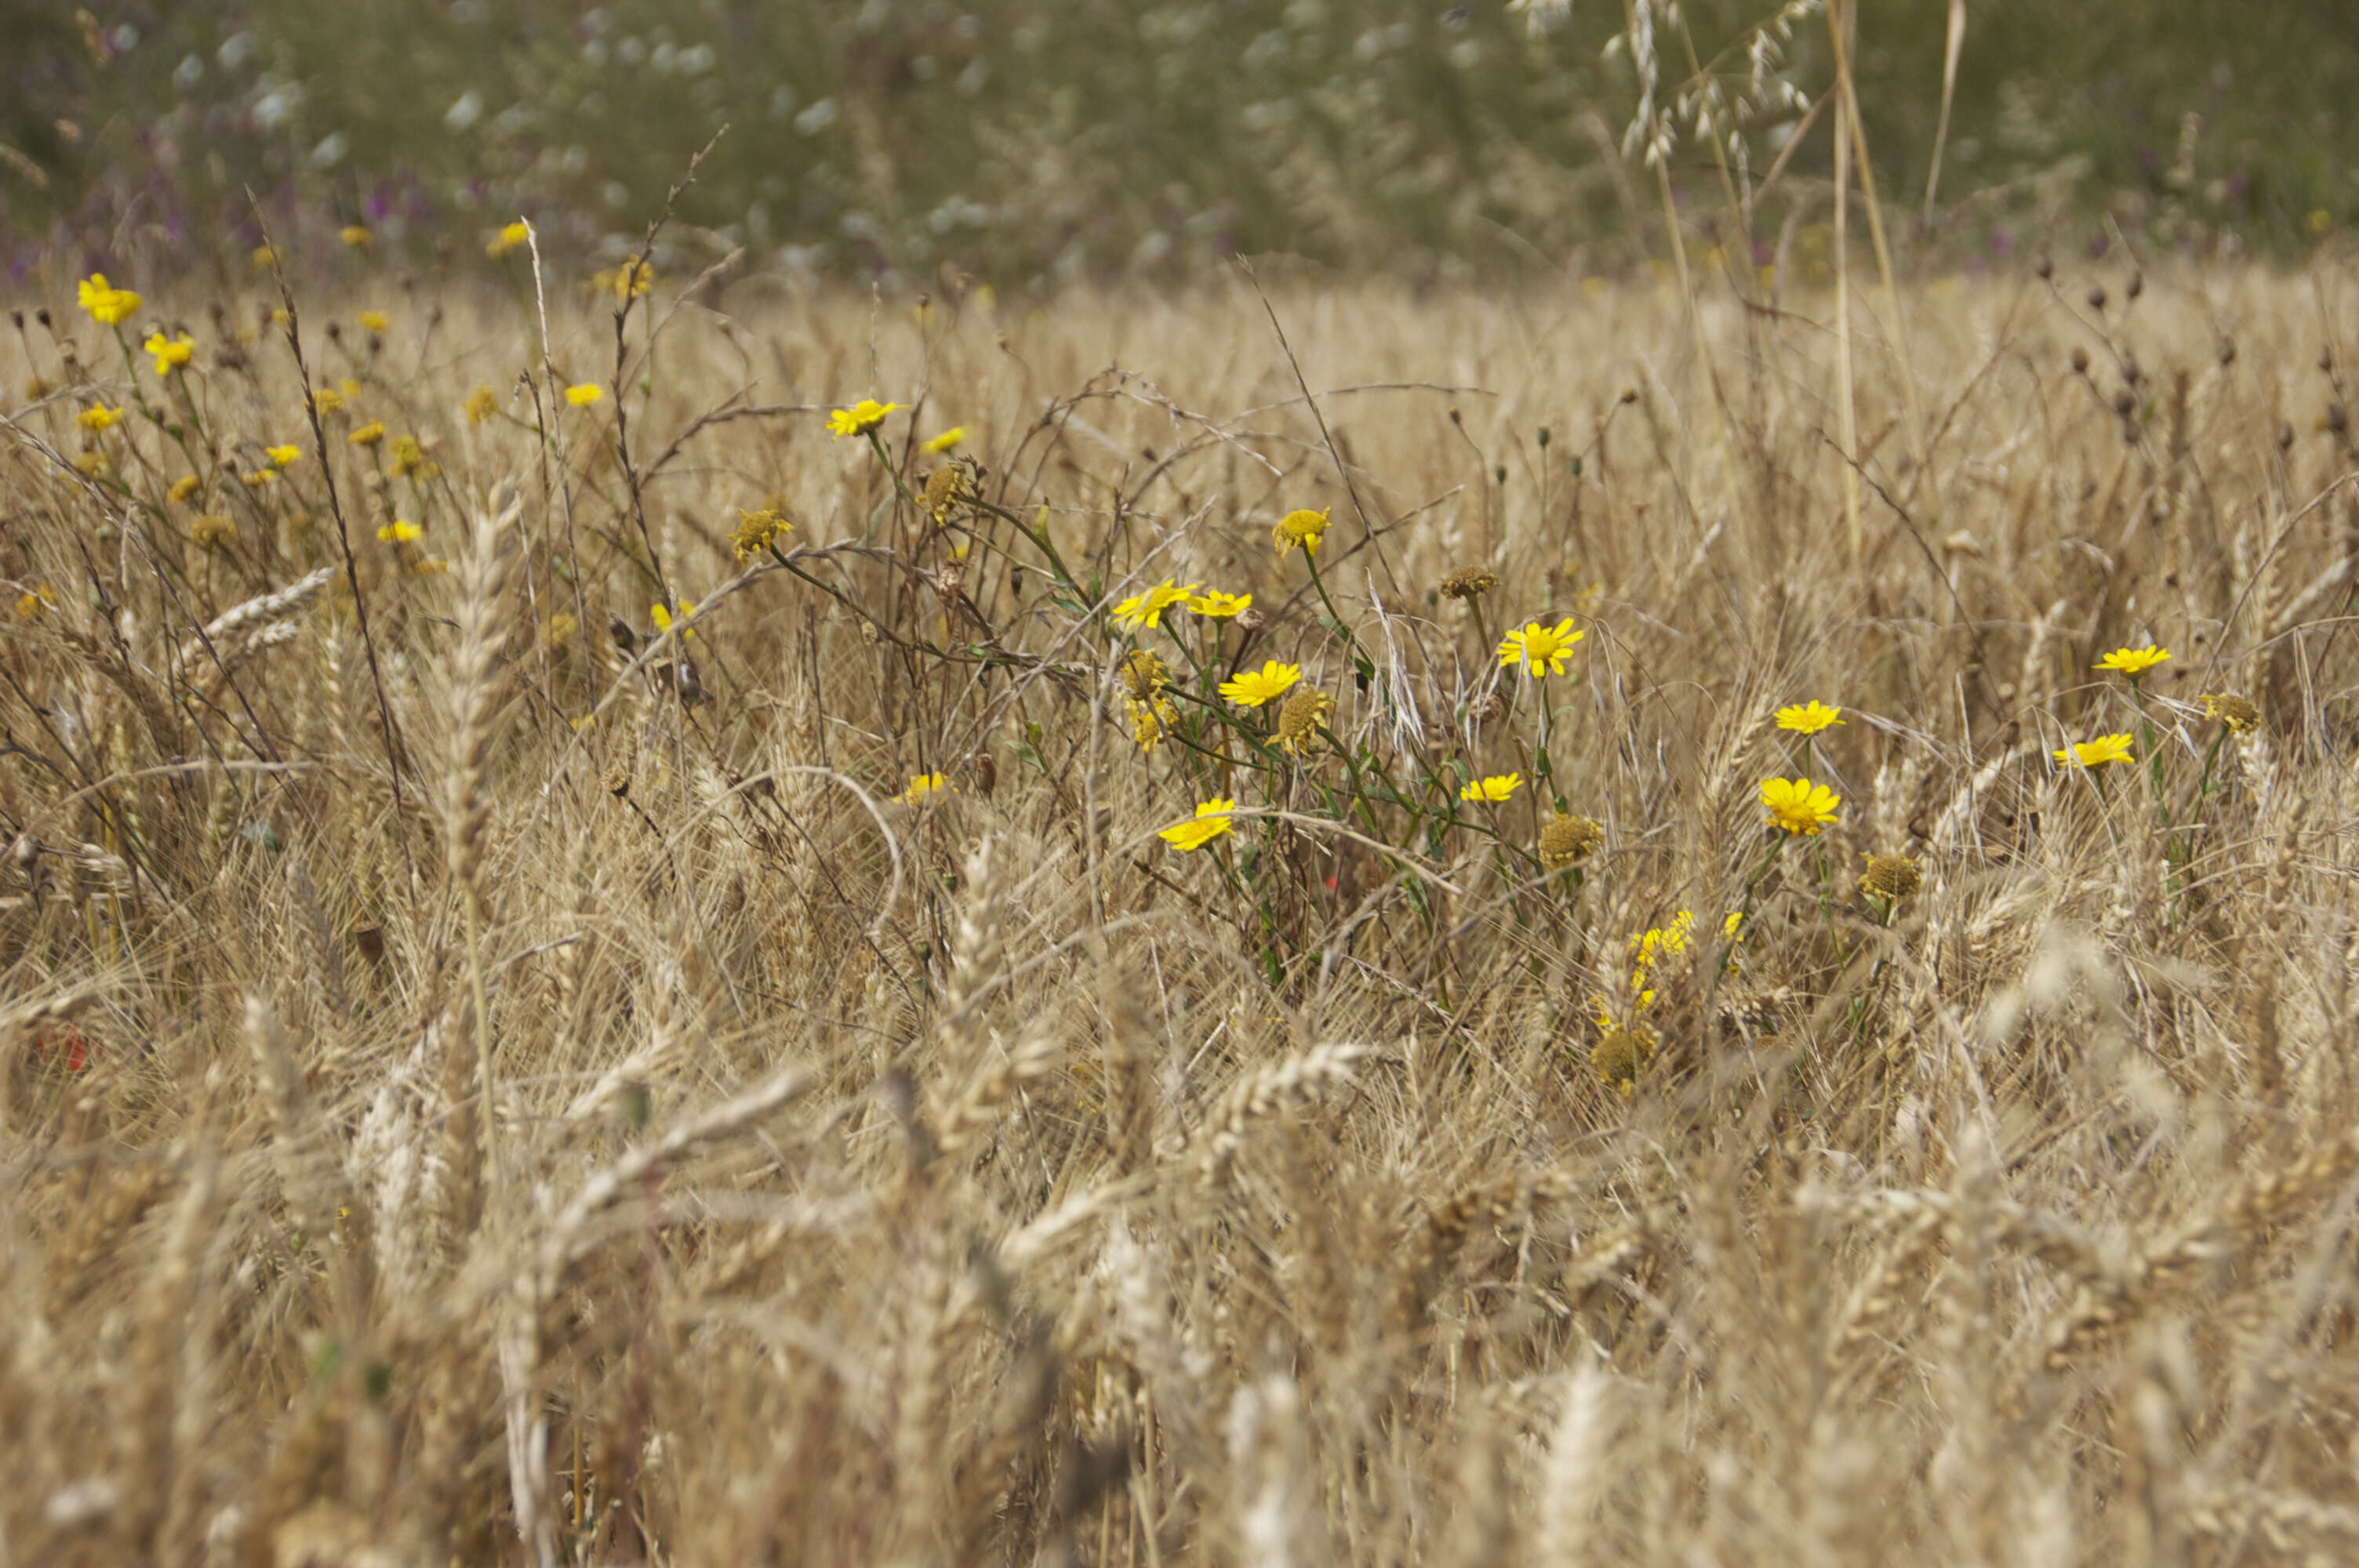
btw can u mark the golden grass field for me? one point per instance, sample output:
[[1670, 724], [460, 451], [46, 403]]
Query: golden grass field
[[478, 1085]]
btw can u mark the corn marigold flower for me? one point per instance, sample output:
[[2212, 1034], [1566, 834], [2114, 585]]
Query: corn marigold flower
[[209, 532], [375, 321], [2096, 754], [665, 620], [946, 440], [629, 281], [756, 532], [108, 306], [1800, 807], [1541, 650], [187, 486], [1620, 1055], [36, 601], [1891, 877], [1569, 840], [1218, 606], [509, 237], [408, 456], [1254, 688], [1808, 718], [1301, 527], [1150, 720], [585, 394], [923, 787], [1469, 584], [1146, 609], [327, 400], [2225, 707], [400, 531], [1299, 718], [284, 457], [480, 405], [368, 435], [264, 258], [258, 478], [1212, 819], [1143, 675], [860, 418], [99, 418], [2132, 662], [1496, 788], [356, 236], [170, 354]]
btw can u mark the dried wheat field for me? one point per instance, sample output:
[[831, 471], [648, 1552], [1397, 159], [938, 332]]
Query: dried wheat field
[[686, 967]]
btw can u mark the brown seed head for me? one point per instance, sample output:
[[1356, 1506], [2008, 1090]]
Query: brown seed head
[[1469, 583], [1620, 1055], [2239, 715], [1298, 721], [1569, 840], [1891, 877]]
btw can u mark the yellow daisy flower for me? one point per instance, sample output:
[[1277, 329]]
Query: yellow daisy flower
[[947, 439], [368, 435], [665, 621], [1299, 528], [480, 405], [583, 395], [922, 788], [506, 240], [170, 354], [99, 418], [1254, 688], [375, 320], [1212, 820], [107, 306], [1146, 609], [1497, 788], [860, 418], [2097, 752], [2132, 662], [1220, 606], [1808, 718], [400, 531], [283, 457], [1541, 650], [1800, 807], [356, 236]]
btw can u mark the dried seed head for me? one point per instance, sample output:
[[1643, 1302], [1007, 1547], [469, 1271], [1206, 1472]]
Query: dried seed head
[[946, 486], [618, 781], [1468, 584], [1143, 675], [2239, 715], [2080, 360], [1569, 840], [1490, 710], [2097, 296], [1620, 1055], [1298, 721], [1250, 620], [1891, 877]]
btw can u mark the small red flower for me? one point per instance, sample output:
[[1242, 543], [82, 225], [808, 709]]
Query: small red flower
[[64, 1047]]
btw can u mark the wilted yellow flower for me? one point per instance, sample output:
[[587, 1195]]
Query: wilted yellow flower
[[98, 418], [375, 320], [208, 531], [368, 435], [860, 418], [627, 281], [170, 354], [1541, 650], [1496, 788], [1149, 720], [1808, 718], [108, 306], [2097, 752], [1146, 609], [284, 457], [327, 400], [480, 405], [90, 465], [1143, 675], [400, 531], [36, 601], [1891, 877], [1298, 721], [1299, 528], [947, 439], [1620, 1055], [584, 395], [1254, 688], [1470, 583], [409, 456], [1212, 820], [2132, 661], [2239, 715], [1220, 606], [258, 478], [1569, 840], [755, 531], [355, 236], [945, 488], [1798, 806], [506, 240], [922, 788], [182, 488]]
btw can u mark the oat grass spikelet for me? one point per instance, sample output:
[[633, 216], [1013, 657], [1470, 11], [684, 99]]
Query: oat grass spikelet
[[1800, 807], [1808, 718], [1541, 650], [1254, 688], [1212, 819]]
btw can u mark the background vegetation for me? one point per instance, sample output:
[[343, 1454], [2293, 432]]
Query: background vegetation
[[1023, 141]]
